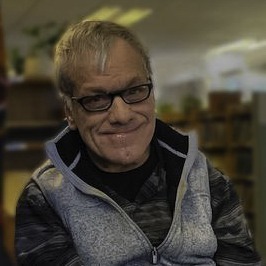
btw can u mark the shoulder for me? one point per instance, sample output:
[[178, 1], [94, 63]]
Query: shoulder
[[227, 210], [221, 187], [32, 196]]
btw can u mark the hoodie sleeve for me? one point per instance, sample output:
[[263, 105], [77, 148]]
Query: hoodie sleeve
[[40, 237], [235, 243]]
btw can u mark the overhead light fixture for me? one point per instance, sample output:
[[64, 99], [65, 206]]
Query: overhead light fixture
[[257, 45], [240, 45], [133, 16], [120, 16], [104, 13]]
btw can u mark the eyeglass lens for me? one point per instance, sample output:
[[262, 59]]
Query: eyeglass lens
[[104, 101]]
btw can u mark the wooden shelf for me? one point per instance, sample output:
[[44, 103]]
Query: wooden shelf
[[35, 114], [241, 178], [18, 146], [241, 145], [207, 116], [32, 123], [213, 147]]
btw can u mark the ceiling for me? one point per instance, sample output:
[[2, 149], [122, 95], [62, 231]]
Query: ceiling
[[178, 33]]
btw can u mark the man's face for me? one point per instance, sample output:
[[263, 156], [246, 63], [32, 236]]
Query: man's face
[[117, 139]]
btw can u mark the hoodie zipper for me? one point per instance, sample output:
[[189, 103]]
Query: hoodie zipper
[[154, 254]]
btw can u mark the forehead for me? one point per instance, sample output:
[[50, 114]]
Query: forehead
[[123, 55], [121, 62]]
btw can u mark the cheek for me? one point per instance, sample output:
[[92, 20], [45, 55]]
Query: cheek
[[87, 127], [150, 110]]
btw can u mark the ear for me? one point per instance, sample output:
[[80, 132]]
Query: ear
[[69, 117]]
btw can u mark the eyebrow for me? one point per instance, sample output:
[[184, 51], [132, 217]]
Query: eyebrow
[[102, 90]]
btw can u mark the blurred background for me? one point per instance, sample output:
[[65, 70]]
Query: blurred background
[[209, 62]]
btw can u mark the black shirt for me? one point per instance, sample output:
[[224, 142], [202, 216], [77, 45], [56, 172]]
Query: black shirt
[[126, 184]]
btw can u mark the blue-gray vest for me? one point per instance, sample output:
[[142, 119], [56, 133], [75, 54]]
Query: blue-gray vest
[[103, 234]]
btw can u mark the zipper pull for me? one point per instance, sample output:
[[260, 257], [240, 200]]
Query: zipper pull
[[154, 254]]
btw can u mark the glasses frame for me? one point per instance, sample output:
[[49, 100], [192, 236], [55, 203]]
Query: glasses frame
[[112, 95]]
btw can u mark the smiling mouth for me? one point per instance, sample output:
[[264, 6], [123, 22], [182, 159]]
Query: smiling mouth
[[121, 131], [121, 134]]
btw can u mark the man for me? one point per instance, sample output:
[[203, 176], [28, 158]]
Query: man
[[120, 187]]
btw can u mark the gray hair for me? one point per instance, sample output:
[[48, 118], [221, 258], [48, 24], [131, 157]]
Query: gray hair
[[89, 40]]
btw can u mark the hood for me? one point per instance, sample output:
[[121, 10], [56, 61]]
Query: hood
[[66, 148]]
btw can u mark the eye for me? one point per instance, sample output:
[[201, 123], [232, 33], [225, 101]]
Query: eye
[[136, 90], [96, 99]]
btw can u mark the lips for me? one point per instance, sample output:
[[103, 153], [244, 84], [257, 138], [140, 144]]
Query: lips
[[122, 137], [121, 130]]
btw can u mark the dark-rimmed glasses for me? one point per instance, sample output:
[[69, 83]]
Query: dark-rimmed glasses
[[103, 101]]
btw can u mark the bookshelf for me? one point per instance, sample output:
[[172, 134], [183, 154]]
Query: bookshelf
[[34, 114], [226, 136]]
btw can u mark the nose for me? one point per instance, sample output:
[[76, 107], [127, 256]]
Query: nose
[[120, 112]]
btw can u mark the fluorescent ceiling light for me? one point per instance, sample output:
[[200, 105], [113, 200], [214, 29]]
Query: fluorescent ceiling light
[[122, 17], [132, 16], [234, 46], [104, 13], [257, 45], [239, 46]]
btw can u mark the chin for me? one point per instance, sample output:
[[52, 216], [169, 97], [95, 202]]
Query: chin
[[126, 160]]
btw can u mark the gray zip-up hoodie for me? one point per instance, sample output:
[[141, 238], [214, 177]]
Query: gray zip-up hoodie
[[103, 234]]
